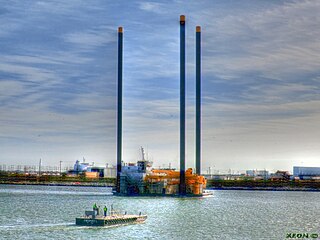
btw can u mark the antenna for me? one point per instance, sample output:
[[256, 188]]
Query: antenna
[[142, 154], [40, 167], [60, 167]]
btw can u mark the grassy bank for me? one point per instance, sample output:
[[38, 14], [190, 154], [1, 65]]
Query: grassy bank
[[63, 180], [81, 180], [265, 184]]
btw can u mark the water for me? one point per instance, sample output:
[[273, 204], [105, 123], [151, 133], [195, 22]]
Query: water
[[46, 212]]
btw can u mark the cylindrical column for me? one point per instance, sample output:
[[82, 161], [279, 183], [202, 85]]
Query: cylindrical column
[[119, 124], [182, 187], [198, 100]]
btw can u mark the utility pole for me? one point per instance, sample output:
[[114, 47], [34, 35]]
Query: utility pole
[[60, 167], [40, 167]]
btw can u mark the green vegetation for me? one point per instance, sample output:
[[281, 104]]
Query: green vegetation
[[6, 177], [246, 183]]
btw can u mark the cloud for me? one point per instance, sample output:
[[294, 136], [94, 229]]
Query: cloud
[[260, 79], [32, 74], [57, 81], [258, 68], [9, 89], [92, 38], [277, 43], [152, 7]]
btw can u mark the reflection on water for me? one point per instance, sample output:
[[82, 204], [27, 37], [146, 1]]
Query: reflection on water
[[47, 212], [55, 192]]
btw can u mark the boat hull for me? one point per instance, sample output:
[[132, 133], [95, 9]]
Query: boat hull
[[110, 220]]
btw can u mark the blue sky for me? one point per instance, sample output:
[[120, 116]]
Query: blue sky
[[261, 79]]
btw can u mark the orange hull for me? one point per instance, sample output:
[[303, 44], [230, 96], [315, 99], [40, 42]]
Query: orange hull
[[194, 182]]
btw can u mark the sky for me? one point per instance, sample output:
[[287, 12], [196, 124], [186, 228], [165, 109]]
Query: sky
[[260, 82]]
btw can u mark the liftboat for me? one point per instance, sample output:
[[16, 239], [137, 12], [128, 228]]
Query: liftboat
[[93, 218]]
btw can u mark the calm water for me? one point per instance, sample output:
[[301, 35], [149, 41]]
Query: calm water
[[41, 212]]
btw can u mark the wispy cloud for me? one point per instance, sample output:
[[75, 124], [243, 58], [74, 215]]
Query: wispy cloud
[[92, 38], [278, 42], [152, 7], [57, 81], [260, 79]]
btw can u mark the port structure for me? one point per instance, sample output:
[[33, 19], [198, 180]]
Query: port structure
[[137, 178], [198, 100], [182, 188], [119, 116]]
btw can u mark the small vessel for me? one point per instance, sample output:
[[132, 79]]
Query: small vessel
[[93, 218], [207, 193]]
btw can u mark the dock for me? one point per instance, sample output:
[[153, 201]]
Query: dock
[[91, 219]]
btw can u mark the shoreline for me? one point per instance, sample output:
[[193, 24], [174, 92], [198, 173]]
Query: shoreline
[[275, 189], [63, 184], [97, 184]]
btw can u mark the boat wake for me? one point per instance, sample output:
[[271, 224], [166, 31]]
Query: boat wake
[[24, 226]]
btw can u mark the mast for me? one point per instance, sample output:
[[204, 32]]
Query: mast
[[198, 100], [182, 187], [119, 125]]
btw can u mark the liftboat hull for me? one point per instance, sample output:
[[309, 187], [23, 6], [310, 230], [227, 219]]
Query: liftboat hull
[[110, 220]]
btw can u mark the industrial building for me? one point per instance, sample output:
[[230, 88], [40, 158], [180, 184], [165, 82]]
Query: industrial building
[[258, 173], [306, 172]]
